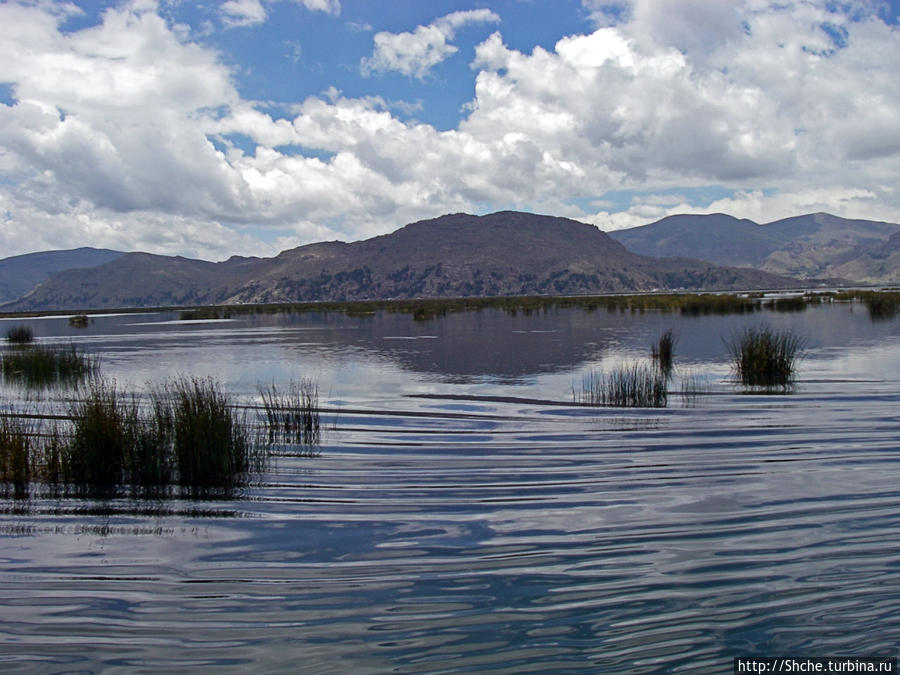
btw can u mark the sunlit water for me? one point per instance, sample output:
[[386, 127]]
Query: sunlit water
[[464, 516]]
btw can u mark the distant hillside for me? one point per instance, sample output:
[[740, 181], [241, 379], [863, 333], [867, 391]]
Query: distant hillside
[[21, 273], [814, 246], [507, 253]]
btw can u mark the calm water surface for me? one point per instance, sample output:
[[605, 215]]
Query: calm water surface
[[464, 516]]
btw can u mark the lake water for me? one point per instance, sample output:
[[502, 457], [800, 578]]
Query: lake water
[[463, 516]]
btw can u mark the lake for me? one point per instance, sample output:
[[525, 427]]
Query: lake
[[462, 515]]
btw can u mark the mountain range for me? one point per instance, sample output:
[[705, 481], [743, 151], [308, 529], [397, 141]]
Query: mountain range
[[505, 253], [813, 246]]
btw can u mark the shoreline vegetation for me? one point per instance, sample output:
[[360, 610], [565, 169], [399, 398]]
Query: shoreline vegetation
[[881, 303]]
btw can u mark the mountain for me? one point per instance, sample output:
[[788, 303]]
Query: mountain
[[813, 246], [506, 253], [20, 273]]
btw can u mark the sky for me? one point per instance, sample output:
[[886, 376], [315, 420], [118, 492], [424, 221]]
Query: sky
[[252, 126]]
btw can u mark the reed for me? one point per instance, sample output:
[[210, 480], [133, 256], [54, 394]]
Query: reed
[[763, 357], [630, 386], [37, 365], [293, 416], [663, 352], [792, 303], [20, 335], [15, 455], [212, 446], [882, 306], [79, 321], [101, 432]]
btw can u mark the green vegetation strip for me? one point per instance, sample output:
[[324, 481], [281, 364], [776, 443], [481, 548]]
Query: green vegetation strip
[[685, 303]]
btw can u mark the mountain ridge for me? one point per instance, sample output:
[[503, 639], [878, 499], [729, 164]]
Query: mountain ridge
[[456, 255], [809, 246]]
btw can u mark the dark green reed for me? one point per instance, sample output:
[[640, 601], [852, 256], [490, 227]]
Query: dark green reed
[[629, 386], [44, 365], [763, 357], [293, 415]]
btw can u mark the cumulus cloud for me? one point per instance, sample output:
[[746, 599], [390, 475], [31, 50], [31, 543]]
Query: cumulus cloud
[[252, 12], [415, 54], [243, 12], [126, 134]]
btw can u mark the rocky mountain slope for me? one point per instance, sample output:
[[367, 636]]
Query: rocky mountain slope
[[20, 273], [506, 253], [813, 246]]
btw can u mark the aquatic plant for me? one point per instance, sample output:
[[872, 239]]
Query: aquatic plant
[[78, 321], [663, 351], [629, 386], [763, 357], [293, 416], [42, 365], [882, 305], [212, 446], [15, 455], [792, 303], [102, 430], [20, 335]]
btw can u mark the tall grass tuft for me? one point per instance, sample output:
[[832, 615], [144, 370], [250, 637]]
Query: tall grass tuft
[[630, 386], [39, 366], [763, 357], [103, 431], [212, 446], [293, 416], [20, 335], [882, 306], [15, 455], [663, 352]]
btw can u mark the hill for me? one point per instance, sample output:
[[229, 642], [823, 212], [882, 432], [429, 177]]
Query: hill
[[506, 253], [20, 273], [813, 246]]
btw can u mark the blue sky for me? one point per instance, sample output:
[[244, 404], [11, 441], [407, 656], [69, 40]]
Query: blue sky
[[251, 126]]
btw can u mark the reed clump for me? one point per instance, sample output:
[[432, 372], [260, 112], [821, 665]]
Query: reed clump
[[629, 386], [663, 351], [15, 455], [186, 433], [763, 357], [102, 431], [20, 335], [211, 444], [79, 321], [39, 365], [293, 415]]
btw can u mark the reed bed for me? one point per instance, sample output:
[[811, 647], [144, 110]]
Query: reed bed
[[763, 357], [186, 434], [44, 365], [629, 386], [20, 335], [293, 415]]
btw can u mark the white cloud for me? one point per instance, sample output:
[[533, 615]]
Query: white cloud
[[243, 12], [122, 134], [415, 54], [240, 13]]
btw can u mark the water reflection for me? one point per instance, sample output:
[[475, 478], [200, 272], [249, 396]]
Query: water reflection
[[478, 527]]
